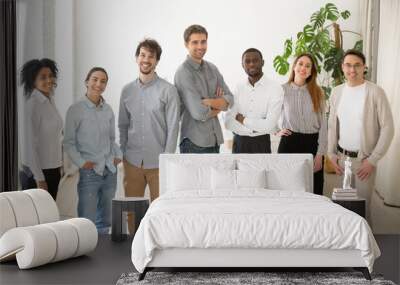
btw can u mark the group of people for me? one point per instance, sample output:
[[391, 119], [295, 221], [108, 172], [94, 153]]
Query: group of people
[[152, 110]]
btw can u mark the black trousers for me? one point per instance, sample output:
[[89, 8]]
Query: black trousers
[[246, 144], [52, 177], [304, 143]]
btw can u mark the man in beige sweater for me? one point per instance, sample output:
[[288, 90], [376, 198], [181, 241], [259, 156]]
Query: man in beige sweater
[[360, 125]]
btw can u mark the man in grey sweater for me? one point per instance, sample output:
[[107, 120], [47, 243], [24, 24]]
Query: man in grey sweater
[[204, 95], [360, 125]]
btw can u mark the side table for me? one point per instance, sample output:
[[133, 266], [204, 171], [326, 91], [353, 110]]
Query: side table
[[138, 205], [356, 205]]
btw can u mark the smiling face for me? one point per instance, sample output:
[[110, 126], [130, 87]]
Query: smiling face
[[252, 64], [197, 46], [303, 68], [147, 61], [45, 81], [96, 84], [353, 68]]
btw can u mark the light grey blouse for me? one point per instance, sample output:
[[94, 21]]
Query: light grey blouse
[[42, 139], [298, 114]]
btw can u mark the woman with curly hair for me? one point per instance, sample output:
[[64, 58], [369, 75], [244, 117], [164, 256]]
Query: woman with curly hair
[[43, 125]]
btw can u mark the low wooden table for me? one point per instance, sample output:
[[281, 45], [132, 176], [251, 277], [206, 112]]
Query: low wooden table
[[138, 205], [356, 205]]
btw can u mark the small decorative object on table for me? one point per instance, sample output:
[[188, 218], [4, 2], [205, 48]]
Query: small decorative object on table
[[347, 196], [347, 192], [347, 174]]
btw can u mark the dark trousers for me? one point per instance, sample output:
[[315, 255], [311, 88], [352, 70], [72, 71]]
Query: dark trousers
[[304, 143], [52, 177], [187, 146], [246, 144]]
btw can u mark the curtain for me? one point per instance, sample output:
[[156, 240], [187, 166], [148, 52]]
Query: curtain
[[8, 98], [388, 178], [366, 30]]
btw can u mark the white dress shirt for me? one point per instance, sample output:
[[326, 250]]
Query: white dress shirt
[[43, 134], [261, 106], [350, 114]]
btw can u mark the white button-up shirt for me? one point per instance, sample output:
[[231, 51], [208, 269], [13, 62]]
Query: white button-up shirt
[[261, 106], [43, 134]]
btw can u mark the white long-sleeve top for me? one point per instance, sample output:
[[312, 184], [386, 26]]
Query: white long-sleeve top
[[43, 134], [261, 106]]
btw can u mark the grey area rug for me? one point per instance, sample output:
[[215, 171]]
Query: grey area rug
[[243, 278]]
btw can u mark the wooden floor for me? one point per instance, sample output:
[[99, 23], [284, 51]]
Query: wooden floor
[[110, 260]]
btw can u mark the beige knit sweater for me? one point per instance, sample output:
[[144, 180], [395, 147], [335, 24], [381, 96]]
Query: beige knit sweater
[[377, 130]]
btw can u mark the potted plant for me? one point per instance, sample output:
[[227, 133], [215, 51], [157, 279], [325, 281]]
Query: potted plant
[[322, 37]]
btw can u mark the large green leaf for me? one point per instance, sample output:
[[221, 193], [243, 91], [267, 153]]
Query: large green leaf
[[323, 40], [313, 46], [308, 32], [300, 36], [318, 19], [319, 57], [301, 47], [329, 64], [332, 63], [331, 12], [345, 14], [288, 48], [281, 65], [358, 45]]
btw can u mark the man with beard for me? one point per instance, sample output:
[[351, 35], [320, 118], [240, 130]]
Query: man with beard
[[258, 105], [204, 95], [148, 124]]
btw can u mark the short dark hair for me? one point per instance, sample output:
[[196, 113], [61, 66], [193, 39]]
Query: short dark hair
[[151, 45], [252, 50], [94, 69], [31, 69], [355, 52], [194, 29]]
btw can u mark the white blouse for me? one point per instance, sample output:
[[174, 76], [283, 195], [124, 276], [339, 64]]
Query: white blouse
[[42, 139]]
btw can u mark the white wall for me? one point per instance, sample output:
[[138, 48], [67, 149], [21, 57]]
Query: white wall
[[64, 52], [107, 33], [83, 34]]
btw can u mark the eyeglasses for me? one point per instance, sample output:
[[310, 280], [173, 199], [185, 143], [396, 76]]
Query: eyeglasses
[[355, 66]]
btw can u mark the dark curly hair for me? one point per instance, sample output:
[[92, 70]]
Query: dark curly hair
[[151, 45], [31, 69]]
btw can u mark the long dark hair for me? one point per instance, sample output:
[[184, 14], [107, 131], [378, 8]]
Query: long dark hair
[[316, 93], [31, 69]]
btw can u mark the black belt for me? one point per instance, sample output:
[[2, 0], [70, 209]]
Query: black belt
[[347, 152]]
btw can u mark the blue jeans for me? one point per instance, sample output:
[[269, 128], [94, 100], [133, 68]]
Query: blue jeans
[[187, 146], [95, 195]]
